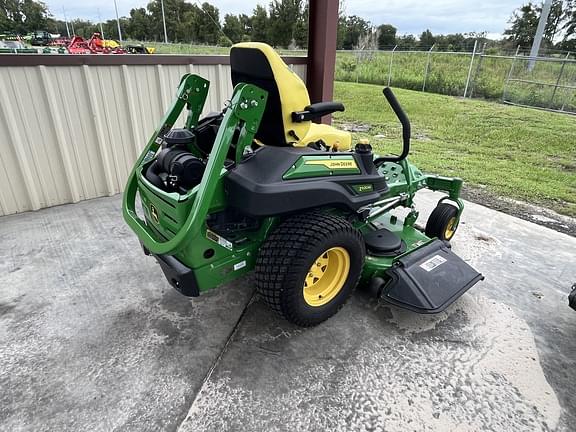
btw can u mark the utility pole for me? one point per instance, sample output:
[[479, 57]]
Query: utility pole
[[118, 21], [100, 21], [539, 33], [66, 21], [164, 22]]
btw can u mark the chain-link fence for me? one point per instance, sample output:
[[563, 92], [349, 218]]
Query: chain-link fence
[[549, 84]]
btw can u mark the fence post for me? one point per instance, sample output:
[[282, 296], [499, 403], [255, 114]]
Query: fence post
[[551, 105], [477, 71], [390, 67], [427, 67], [509, 74], [470, 68], [357, 55]]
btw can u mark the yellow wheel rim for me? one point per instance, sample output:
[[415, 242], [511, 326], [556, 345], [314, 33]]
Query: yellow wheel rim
[[450, 228], [326, 276]]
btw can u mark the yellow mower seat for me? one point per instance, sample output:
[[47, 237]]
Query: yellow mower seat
[[257, 63], [334, 138]]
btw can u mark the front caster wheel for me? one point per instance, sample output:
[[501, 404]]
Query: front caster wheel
[[309, 266], [443, 222]]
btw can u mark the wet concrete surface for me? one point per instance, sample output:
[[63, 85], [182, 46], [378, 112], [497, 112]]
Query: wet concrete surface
[[500, 358], [93, 338]]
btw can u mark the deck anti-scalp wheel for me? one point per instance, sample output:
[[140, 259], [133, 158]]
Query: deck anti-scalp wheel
[[443, 222], [309, 266]]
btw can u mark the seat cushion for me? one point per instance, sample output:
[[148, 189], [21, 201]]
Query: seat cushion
[[330, 136]]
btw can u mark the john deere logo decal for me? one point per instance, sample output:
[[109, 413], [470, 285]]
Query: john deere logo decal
[[154, 213], [334, 164]]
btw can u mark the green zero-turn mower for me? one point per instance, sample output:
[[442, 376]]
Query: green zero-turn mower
[[260, 187]]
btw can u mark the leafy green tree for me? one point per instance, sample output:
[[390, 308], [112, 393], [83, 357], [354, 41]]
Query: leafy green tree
[[224, 41], [406, 42], [233, 28], [569, 25], [111, 28], [354, 28], [5, 21], [23, 16], [208, 28], [56, 26], [451, 42], [139, 25], [386, 36], [284, 15], [83, 28], [246, 23], [557, 14], [427, 39], [301, 29], [524, 22], [35, 14], [260, 23]]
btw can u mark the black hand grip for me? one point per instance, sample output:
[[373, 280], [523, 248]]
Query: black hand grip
[[389, 95]]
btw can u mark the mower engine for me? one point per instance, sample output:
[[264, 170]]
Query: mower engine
[[176, 169]]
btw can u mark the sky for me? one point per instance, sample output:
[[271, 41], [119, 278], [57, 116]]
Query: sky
[[408, 16]]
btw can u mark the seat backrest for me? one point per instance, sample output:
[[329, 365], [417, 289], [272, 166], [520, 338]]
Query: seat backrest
[[257, 63]]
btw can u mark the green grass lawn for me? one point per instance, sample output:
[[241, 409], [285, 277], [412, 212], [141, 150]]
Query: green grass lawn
[[514, 152]]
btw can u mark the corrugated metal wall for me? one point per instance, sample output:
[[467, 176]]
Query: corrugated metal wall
[[70, 133]]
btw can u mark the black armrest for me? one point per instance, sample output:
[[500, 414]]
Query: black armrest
[[317, 110]]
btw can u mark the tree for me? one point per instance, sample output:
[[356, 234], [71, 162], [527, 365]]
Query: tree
[[208, 30], [139, 24], [83, 28], [35, 14], [524, 23], [406, 42], [233, 28], [246, 23], [386, 36], [554, 19], [111, 28], [451, 42], [23, 16], [569, 25], [5, 21], [353, 28], [284, 15], [259, 24], [301, 29], [427, 39]]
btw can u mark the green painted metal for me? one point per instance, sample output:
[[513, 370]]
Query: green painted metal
[[176, 224], [200, 198], [191, 86], [322, 166]]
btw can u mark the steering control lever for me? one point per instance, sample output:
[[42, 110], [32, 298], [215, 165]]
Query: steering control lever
[[395, 105]]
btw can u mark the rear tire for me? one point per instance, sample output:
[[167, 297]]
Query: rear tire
[[443, 222], [309, 266]]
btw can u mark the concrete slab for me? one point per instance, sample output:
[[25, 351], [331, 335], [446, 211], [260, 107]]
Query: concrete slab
[[501, 358], [92, 338]]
